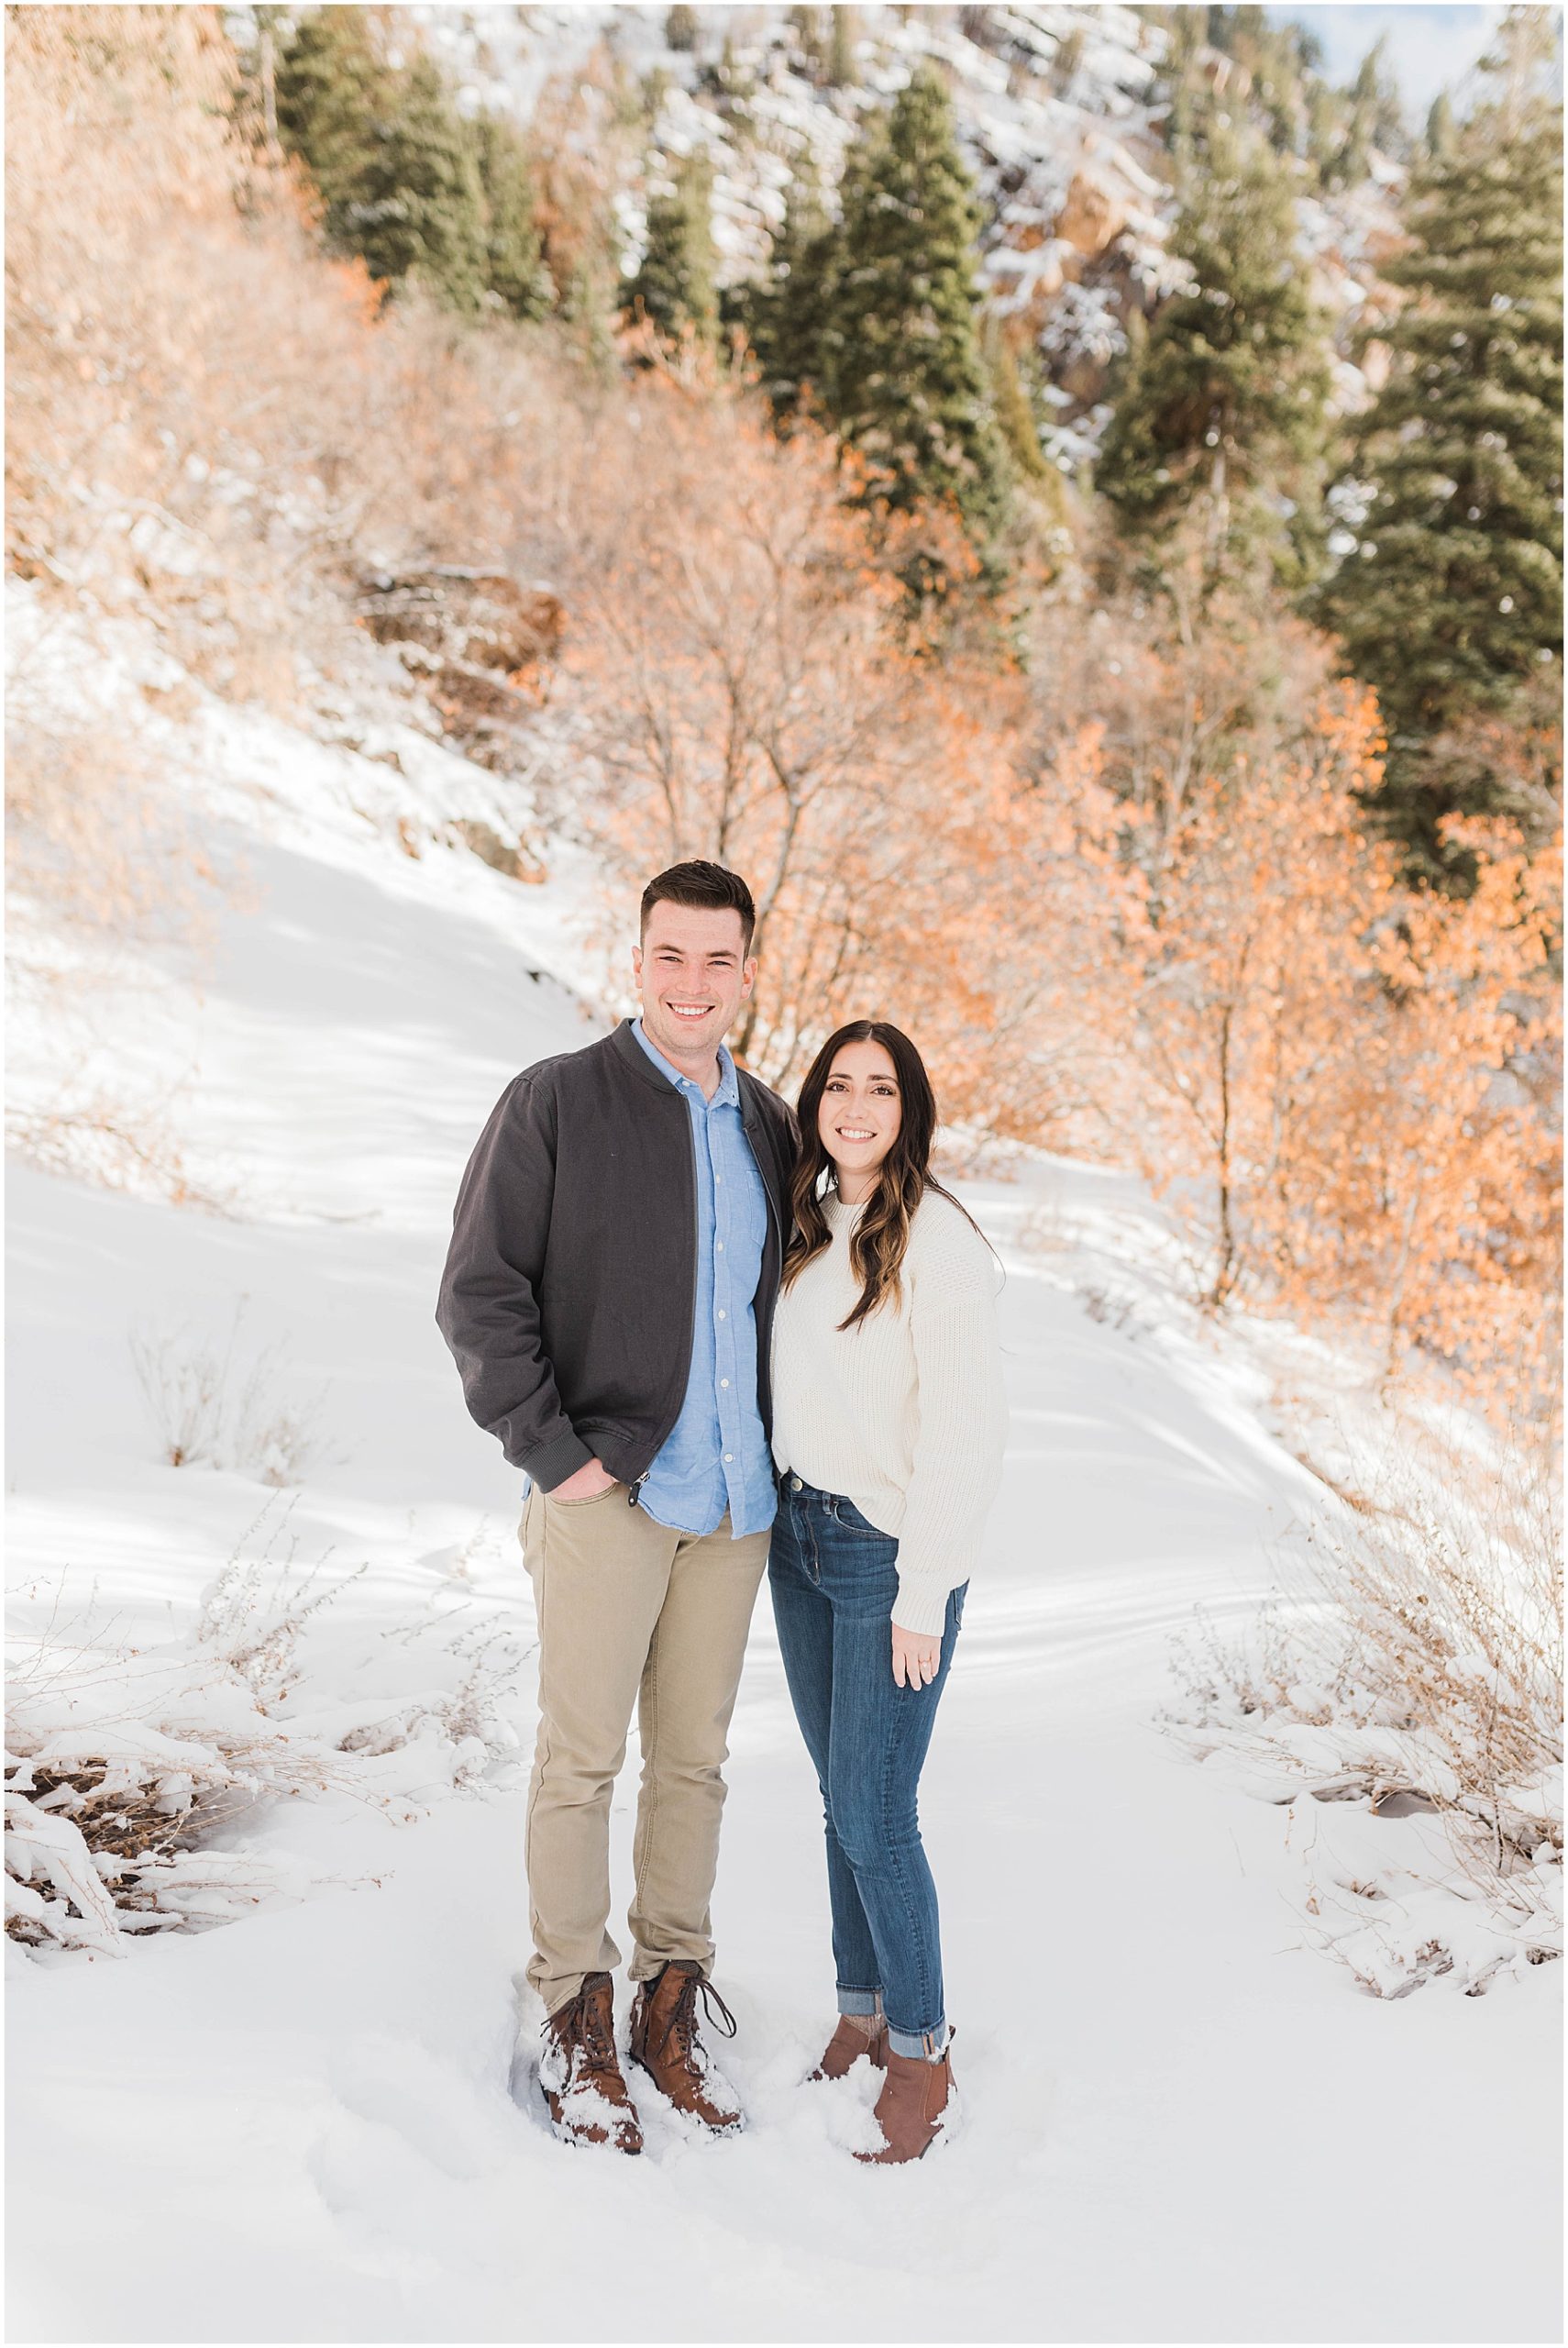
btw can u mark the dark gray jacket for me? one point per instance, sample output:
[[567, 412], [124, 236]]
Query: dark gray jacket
[[572, 1280]]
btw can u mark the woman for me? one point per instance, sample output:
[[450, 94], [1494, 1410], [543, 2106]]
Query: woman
[[889, 1421]]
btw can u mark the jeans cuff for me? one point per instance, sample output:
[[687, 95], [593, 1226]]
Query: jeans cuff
[[860, 2001], [918, 2047]]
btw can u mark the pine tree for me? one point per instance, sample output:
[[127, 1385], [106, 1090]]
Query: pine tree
[[1009, 399], [397, 169], [1227, 403], [674, 289], [1450, 593], [906, 377], [514, 269], [330, 87], [1440, 124], [1376, 118], [418, 208], [785, 314]]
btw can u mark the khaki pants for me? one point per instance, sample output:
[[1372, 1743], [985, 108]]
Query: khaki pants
[[630, 1613]]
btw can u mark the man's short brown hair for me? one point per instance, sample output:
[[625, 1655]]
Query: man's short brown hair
[[711, 888]]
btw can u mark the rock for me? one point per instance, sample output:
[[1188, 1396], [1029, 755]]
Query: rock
[[479, 644], [1092, 215], [510, 857], [1376, 360], [480, 617]]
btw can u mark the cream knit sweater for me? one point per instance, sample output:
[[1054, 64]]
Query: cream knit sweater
[[904, 1413]]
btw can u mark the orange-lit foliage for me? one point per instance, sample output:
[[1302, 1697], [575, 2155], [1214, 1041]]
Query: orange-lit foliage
[[1332, 1059], [742, 689]]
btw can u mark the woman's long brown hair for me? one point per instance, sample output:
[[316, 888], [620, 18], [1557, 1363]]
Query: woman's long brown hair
[[882, 1237]]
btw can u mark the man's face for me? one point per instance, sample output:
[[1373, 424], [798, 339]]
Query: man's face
[[692, 978]]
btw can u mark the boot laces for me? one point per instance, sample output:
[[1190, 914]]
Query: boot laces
[[587, 2035], [681, 2026]]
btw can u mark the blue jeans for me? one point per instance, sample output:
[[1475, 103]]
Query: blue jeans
[[833, 1579]]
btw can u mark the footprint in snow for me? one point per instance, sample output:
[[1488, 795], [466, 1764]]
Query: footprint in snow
[[436, 2112]]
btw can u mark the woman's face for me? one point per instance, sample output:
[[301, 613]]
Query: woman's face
[[860, 1112]]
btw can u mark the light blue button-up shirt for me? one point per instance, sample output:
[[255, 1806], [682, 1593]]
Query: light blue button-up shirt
[[716, 1456]]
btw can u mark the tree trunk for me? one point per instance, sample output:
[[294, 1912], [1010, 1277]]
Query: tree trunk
[[1225, 1269]]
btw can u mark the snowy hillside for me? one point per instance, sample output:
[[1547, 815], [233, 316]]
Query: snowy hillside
[[1181, 2122], [1061, 112]]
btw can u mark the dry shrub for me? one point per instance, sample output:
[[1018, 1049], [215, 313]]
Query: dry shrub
[[209, 1403], [105, 858], [130, 1769], [122, 1762], [1345, 1088], [739, 684], [97, 837], [179, 373], [1413, 1664], [96, 1138]]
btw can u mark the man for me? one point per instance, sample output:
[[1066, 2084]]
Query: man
[[608, 1297]]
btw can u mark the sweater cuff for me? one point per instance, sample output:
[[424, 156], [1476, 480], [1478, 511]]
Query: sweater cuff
[[921, 1606], [556, 1461]]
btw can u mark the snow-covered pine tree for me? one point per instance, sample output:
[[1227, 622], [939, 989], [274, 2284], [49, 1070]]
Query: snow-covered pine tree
[[906, 377], [1226, 404], [674, 289], [1450, 595]]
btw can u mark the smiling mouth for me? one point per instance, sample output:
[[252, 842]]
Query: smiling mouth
[[854, 1132], [688, 1009]]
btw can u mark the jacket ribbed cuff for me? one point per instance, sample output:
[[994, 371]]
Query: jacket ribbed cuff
[[557, 1461], [921, 1606]]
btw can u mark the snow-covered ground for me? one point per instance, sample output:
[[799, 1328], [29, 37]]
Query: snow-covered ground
[[1180, 2123]]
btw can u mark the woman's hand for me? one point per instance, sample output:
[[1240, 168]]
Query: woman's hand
[[916, 1658]]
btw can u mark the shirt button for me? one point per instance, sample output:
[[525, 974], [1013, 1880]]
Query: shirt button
[[720, 1246], [729, 1454], [723, 1381], [717, 1178], [722, 1313]]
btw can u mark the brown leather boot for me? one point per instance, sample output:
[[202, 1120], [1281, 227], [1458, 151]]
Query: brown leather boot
[[911, 2106], [666, 2044], [848, 2043], [580, 2072]]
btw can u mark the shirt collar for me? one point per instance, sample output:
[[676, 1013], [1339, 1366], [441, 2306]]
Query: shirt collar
[[727, 1094]]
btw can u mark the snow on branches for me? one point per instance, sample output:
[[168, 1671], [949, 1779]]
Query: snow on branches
[[136, 1775]]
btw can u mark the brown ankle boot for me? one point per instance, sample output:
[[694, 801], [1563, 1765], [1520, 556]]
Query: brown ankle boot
[[666, 2046], [911, 2106], [848, 2043], [580, 2072]]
